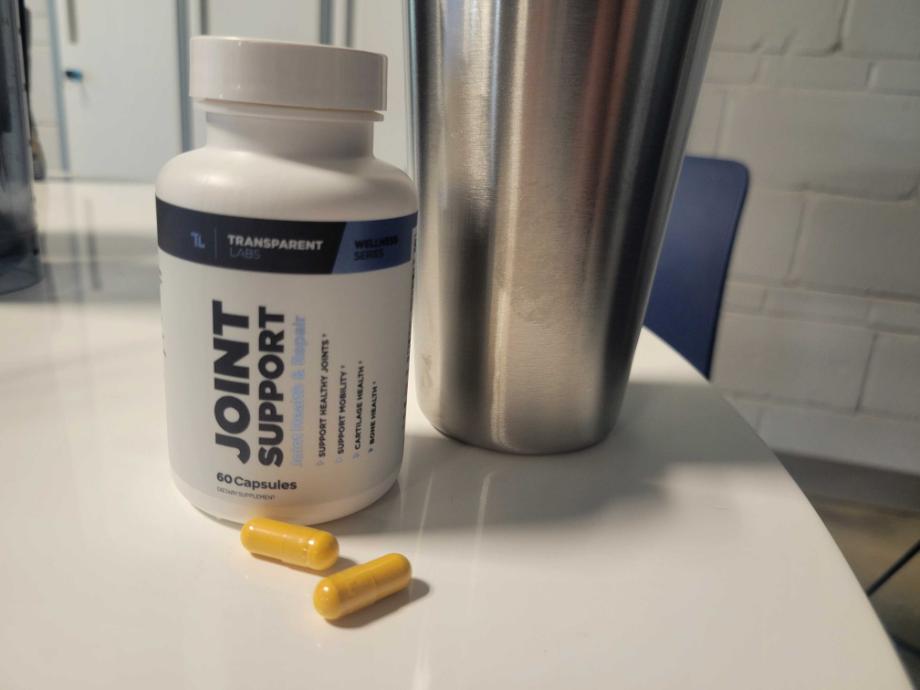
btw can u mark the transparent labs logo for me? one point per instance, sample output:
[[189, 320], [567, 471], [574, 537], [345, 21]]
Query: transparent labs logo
[[197, 240]]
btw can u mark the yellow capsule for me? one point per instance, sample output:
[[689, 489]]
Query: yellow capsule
[[295, 544], [361, 585]]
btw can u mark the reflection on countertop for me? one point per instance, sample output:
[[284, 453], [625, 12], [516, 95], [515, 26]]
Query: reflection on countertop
[[98, 243]]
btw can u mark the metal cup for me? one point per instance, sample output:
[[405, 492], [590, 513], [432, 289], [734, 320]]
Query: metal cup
[[549, 135]]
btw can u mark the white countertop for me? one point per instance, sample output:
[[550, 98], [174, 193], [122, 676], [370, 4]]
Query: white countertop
[[676, 554]]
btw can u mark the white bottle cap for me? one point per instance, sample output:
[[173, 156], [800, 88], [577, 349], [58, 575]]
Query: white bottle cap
[[250, 70]]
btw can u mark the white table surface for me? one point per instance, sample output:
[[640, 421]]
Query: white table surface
[[676, 554]]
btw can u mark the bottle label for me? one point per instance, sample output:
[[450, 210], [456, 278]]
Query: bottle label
[[286, 356], [283, 246]]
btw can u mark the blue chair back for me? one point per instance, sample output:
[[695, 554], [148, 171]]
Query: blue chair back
[[687, 291]]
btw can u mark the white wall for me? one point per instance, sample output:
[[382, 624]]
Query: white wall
[[376, 25], [279, 20], [44, 106], [380, 26], [122, 114], [819, 344]]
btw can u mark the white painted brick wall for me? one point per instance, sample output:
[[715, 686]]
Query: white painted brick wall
[[882, 27], [771, 221], [893, 383], [895, 316], [792, 359], [740, 296], [704, 135], [837, 142], [810, 27], [816, 306], [819, 343], [860, 439], [815, 72], [861, 246], [897, 76], [732, 68]]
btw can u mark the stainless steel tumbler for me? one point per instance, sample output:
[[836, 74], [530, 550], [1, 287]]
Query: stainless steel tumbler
[[549, 135]]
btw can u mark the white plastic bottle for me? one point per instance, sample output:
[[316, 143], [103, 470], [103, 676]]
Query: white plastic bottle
[[286, 255]]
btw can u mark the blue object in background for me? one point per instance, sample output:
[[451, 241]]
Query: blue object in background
[[686, 296]]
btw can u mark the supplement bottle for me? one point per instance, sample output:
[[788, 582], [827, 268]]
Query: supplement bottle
[[286, 253]]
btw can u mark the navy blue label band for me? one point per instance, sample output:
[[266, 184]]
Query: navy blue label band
[[283, 246]]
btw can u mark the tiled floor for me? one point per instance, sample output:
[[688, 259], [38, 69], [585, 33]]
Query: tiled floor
[[875, 519]]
